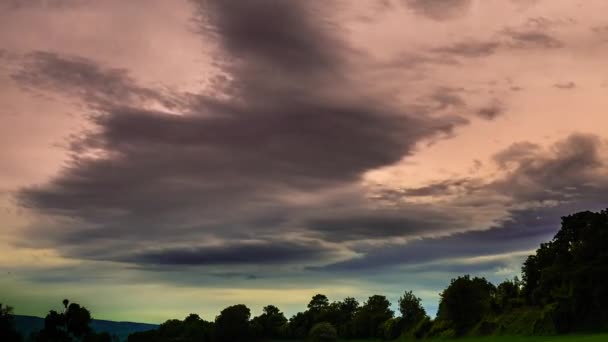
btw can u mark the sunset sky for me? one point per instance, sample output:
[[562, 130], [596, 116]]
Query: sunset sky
[[159, 157]]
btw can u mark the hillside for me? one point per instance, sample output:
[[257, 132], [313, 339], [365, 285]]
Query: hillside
[[28, 324]]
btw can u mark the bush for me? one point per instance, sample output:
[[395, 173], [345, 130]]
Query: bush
[[392, 328], [422, 329], [323, 332], [440, 328]]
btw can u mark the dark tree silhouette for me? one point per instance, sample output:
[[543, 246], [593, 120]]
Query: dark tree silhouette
[[370, 318], [233, 324], [570, 273], [270, 324], [318, 303], [465, 302], [8, 332], [411, 309], [71, 325]]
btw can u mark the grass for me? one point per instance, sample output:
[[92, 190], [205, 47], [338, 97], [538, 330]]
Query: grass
[[563, 338]]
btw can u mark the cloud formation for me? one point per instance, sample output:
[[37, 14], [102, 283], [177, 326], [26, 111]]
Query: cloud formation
[[221, 168]]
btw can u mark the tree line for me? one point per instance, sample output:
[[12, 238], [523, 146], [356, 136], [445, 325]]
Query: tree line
[[563, 289]]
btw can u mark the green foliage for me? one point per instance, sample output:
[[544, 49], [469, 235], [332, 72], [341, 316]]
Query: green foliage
[[465, 302], [392, 328], [571, 273], [323, 332], [369, 318], [422, 329], [411, 309]]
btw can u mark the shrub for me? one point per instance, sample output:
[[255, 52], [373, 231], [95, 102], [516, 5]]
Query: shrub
[[323, 332], [392, 328]]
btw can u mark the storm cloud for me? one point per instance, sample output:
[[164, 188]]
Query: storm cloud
[[223, 165]]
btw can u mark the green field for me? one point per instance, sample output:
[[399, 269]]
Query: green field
[[564, 338]]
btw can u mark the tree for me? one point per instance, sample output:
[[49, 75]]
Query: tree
[[72, 324], [323, 332], [465, 302], [570, 273], [270, 322], [411, 309], [233, 323], [318, 303], [370, 317], [507, 295], [8, 333]]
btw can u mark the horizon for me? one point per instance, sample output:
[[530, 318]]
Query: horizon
[[165, 158]]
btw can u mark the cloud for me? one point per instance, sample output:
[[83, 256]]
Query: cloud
[[531, 38], [565, 85], [536, 188], [96, 85], [289, 123], [491, 111], [281, 252], [469, 49], [439, 9]]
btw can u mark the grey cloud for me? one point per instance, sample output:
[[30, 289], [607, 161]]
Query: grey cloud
[[222, 168], [566, 85], [491, 111], [531, 38], [440, 188], [281, 252], [83, 78], [563, 171], [439, 9], [411, 220], [469, 49]]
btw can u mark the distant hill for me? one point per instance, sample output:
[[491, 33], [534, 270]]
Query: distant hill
[[29, 324]]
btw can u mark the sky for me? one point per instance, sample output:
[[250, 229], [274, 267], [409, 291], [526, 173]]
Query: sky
[[159, 158]]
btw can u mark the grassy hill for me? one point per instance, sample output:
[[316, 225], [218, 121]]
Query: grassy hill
[[29, 324]]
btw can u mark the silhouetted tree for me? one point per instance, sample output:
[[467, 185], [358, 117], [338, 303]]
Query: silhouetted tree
[[8, 332], [233, 323], [270, 323], [70, 325], [370, 318], [411, 309], [465, 302], [508, 295], [318, 303], [570, 273]]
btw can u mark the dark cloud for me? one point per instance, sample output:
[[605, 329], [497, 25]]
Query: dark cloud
[[469, 49], [223, 167], [82, 78], [439, 9], [571, 167], [281, 252], [491, 111], [446, 98], [248, 32], [540, 186], [565, 85], [412, 220], [440, 188], [499, 240], [531, 38]]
